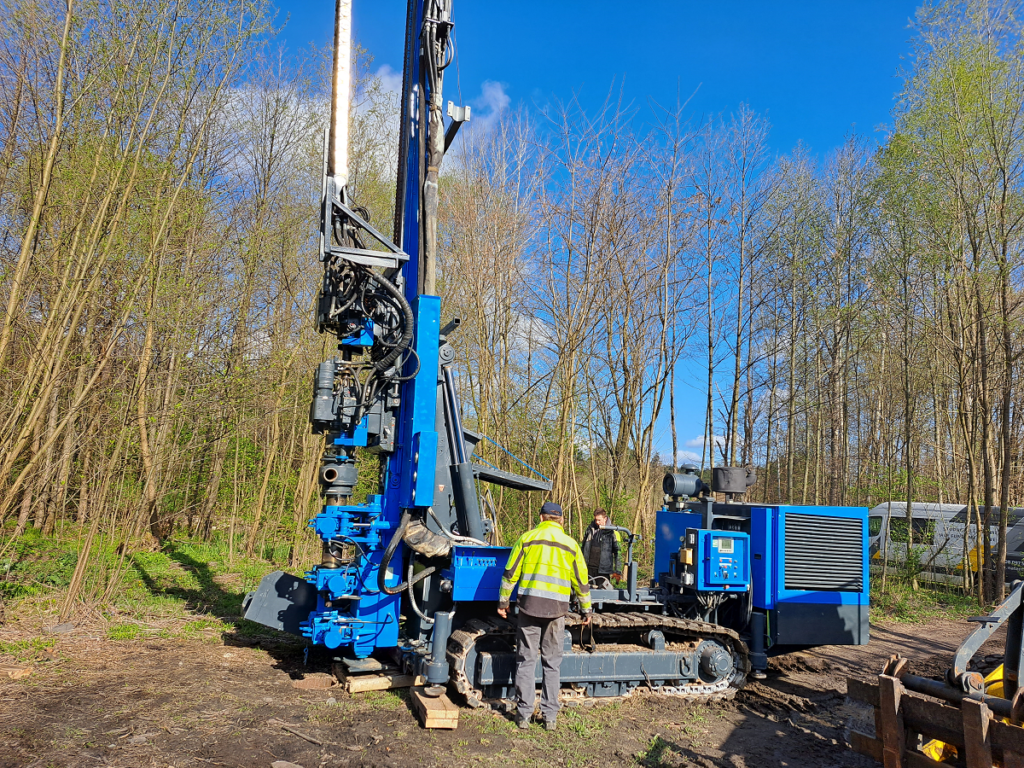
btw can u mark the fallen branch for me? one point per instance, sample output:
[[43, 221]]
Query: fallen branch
[[293, 732]]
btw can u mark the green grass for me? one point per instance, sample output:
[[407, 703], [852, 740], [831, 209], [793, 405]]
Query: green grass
[[186, 589], [36, 565], [902, 603], [26, 650], [124, 632], [655, 753]]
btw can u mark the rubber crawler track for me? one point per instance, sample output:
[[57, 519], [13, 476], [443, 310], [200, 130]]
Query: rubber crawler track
[[462, 641]]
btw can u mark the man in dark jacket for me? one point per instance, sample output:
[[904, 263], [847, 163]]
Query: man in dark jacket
[[602, 548]]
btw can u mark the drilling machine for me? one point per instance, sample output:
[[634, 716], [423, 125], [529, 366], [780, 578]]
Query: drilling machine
[[413, 571]]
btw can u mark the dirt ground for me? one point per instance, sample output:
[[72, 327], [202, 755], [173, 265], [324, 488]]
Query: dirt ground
[[227, 701]]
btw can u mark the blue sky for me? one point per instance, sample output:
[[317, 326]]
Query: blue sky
[[818, 68]]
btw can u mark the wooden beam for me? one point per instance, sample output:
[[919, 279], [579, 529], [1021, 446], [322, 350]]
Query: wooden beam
[[363, 683], [865, 693], [976, 719], [894, 736], [434, 712]]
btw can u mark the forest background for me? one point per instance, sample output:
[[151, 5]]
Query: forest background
[[857, 317]]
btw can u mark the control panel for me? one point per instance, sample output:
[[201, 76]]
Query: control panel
[[716, 561]]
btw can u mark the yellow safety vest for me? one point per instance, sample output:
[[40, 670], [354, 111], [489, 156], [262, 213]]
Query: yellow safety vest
[[549, 567]]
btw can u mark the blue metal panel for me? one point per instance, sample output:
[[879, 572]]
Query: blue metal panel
[[476, 572], [419, 408], [359, 436], [823, 597], [669, 530], [424, 451], [762, 563], [409, 237], [363, 337], [723, 561]]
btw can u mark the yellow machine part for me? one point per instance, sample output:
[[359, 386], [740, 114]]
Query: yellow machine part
[[940, 750]]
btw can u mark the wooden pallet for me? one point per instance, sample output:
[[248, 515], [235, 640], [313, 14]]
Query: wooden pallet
[[901, 716], [434, 712]]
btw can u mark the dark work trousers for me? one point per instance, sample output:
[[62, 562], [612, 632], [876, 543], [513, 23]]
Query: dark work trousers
[[538, 637]]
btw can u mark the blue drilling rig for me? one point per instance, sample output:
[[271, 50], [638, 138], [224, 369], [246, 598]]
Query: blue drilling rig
[[414, 572]]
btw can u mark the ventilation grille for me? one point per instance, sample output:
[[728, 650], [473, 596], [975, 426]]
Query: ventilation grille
[[824, 553]]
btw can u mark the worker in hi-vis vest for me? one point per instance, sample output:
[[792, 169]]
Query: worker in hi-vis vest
[[549, 567]]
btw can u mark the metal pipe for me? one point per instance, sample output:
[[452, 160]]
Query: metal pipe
[[457, 437], [337, 155], [437, 669], [939, 690]]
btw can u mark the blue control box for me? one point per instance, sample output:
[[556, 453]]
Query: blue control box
[[476, 573], [721, 561]]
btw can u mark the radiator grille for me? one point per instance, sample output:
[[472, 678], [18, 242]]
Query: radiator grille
[[824, 553]]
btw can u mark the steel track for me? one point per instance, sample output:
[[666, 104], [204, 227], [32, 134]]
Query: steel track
[[606, 626]]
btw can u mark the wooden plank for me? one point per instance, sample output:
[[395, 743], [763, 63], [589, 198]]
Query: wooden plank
[[865, 745], [865, 693], [894, 737], [434, 712], [1009, 738], [363, 683], [976, 718], [932, 719], [917, 760]]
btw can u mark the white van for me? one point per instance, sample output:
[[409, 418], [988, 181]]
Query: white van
[[938, 534]]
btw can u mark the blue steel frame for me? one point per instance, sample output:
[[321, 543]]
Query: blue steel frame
[[351, 611]]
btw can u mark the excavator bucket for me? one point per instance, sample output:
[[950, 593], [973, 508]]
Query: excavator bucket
[[281, 601]]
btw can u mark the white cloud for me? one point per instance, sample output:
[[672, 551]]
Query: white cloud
[[687, 457], [493, 97], [489, 106], [390, 80], [698, 442]]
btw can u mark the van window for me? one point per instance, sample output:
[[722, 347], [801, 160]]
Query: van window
[[924, 531], [874, 526]]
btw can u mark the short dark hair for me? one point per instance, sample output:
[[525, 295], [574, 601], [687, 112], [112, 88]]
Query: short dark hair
[[602, 512]]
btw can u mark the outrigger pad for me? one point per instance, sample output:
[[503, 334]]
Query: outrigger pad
[[282, 602]]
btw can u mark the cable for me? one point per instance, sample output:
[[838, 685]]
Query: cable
[[411, 376], [412, 593], [341, 539]]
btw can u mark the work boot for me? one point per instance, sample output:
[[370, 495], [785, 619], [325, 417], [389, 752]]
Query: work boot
[[522, 723], [549, 725]]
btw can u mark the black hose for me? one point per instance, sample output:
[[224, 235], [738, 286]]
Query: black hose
[[385, 362], [382, 573]]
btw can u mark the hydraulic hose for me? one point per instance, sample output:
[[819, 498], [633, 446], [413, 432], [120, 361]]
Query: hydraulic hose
[[382, 572]]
